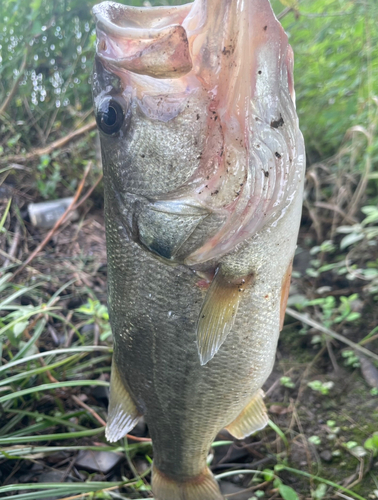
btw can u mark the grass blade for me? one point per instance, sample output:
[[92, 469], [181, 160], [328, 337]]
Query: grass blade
[[50, 437], [278, 431], [29, 451], [37, 333], [55, 352], [53, 420], [4, 217], [37, 371], [320, 479], [55, 385]]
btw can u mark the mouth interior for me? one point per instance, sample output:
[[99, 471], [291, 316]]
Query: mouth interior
[[115, 17]]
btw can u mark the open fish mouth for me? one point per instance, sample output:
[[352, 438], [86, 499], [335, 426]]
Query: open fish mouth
[[247, 70], [149, 41]]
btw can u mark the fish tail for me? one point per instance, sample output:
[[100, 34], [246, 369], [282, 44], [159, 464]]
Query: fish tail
[[201, 487]]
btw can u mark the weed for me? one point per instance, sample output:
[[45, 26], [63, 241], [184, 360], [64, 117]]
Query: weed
[[350, 358], [371, 443], [49, 177], [287, 382], [322, 387], [333, 313], [319, 492], [363, 230], [98, 315], [315, 440]]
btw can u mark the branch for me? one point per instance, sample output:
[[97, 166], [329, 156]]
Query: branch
[[284, 13], [58, 223], [59, 143], [331, 333], [88, 193]]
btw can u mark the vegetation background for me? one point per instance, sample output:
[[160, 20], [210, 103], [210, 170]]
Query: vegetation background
[[55, 342]]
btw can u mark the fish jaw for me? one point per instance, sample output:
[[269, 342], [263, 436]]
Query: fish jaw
[[246, 70]]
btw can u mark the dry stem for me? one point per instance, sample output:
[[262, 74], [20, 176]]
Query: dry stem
[[58, 222], [59, 143]]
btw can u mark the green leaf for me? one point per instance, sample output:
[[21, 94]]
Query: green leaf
[[372, 214], [375, 439], [320, 491], [353, 316], [36, 28], [350, 239], [315, 440], [371, 446], [287, 493], [20, 327], [13, 140], [351, 444], [268, 475]]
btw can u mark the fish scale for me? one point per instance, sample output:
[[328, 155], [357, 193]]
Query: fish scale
[[203, 175], [160, 159], [152, 292]]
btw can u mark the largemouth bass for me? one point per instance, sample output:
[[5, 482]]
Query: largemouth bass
[[203, 172]]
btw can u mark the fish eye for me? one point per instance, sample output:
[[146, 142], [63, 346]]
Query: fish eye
[[110, 115]]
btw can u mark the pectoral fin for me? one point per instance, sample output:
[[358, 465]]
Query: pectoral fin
[[122, 413], [218, 313], [253, 418]]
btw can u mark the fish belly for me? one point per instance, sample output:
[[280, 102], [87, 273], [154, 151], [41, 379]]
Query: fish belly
[[154, 308]]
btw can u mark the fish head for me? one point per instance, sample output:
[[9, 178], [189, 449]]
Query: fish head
[[148, 107], [196, 108]]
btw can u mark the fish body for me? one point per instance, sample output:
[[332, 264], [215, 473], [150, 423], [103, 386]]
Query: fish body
[[203, 173]]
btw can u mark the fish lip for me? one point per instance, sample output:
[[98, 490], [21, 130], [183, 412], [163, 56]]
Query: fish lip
[[112, 29], [107, 22]]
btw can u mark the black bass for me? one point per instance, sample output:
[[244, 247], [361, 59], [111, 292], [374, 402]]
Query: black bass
[[203, 171]]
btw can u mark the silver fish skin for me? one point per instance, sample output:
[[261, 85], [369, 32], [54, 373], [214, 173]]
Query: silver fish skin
[[203, 172]]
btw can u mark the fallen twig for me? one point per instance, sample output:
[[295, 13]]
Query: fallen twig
[[251, 488], [48, 373], [58, 222], [331, 333], [284, 13], [16, 261], [140, 439], [88, 193], [335, 208], [102, 421], [90, 410], [59, 143]]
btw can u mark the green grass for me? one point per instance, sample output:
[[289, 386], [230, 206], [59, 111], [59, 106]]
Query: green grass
[[32, 429]]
